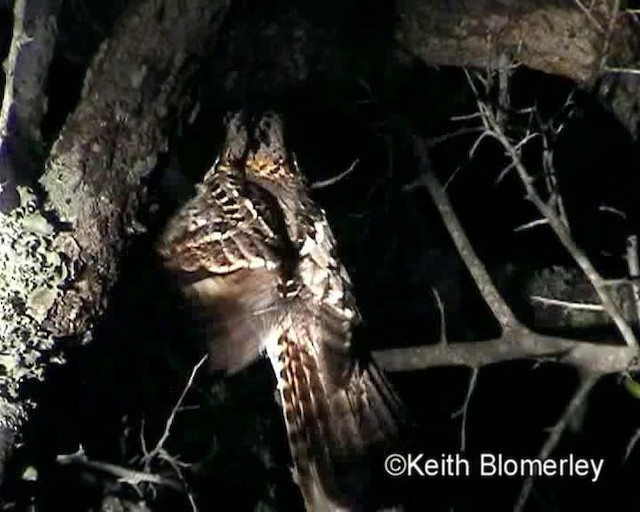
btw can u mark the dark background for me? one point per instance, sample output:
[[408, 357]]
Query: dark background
[[395, 248]]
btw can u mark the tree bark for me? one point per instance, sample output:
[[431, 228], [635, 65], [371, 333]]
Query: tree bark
[[23, 102], [58, 258], [559, 37]]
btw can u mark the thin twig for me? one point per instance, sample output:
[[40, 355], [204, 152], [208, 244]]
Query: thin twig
[[551, 178], [167, 428], [443, 319], [566, 304], [464, 410], [435, 141], [125, 475], [334, 179], [496, 303], [625, 71], [529, 225], [586, 384], [589, 15], [176, 467], [631, 444], [495, 131], [611, 209], [504, 98]]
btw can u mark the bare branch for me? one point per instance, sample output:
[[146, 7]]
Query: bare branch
[[559, 228], [498, 306], [434, 141], [125, 475], [529, 225], [589, 357], [631, 444], [464, 410], [334, 179], [167, 428], [611, 209], [566, 304], [589, 15], [443, 320]]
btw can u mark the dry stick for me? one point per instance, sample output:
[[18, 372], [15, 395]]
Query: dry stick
[[587, 382], [552, 182], [167, 428], [436, 141], [566, 304], [589, 15], [176, 467], [490, 293], [504, 99], [129, 476], [631, 444], [582, 355], [443, 318], [334, 179], [559, 228], [529, 225], [588, 379], [465, 408], [591, 360], [623, 71], [516, 342]]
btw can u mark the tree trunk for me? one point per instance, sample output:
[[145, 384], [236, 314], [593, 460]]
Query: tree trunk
[[59, 258]]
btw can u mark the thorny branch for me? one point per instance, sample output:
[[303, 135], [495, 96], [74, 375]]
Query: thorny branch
[[513, 151], [517, 341], [159, 448], [126, 475]]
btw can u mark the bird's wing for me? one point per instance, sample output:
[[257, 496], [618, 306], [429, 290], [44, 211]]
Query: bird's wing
[[224, 250]]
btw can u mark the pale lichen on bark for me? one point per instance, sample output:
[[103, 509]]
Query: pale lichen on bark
[[33, 270]]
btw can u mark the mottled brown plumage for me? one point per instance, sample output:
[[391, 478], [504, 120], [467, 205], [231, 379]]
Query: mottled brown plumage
[[257, 260]]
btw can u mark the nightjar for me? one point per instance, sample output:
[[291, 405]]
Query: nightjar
[[256, 259]]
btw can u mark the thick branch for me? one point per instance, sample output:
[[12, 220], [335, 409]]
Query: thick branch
[[56, 266], [559, 228], [112, 140], [492, 297], [517, 341], [560, 38], [23, 103], [588, 357]]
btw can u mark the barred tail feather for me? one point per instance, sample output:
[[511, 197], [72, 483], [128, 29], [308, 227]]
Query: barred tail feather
[[337, 434]]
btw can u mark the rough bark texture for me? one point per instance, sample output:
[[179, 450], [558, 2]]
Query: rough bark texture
[[559, 37], [58, 261], [23, 103], [112, 141]]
